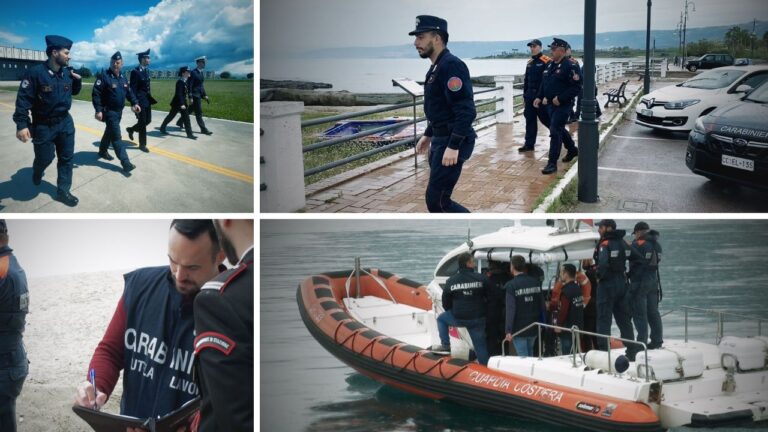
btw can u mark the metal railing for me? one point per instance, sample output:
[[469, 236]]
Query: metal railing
[[381, 149], [576, 343], [356, 274], [720, 320]]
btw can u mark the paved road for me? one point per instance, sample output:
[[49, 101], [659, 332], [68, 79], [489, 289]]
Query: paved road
[[211, 175], [644, 171]]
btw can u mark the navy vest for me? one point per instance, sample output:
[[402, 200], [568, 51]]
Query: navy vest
[[158, 341], [14, 302]]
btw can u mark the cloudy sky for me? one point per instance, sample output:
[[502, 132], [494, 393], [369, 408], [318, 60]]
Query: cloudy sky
[[291, 26], [176, 31]]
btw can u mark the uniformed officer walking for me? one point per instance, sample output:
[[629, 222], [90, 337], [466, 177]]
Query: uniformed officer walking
[[644, 288], [224, 328], [180, 104], [197, 92], [108, 96], [560, 85], [450, 110], [140, 84], [612, 297], [464, 297], [47, 91], [14, 305], [534, 71]]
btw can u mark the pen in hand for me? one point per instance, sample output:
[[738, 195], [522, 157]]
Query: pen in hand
[[92, 375]]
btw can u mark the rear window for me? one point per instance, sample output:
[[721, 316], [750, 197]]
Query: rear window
[[714, 79]]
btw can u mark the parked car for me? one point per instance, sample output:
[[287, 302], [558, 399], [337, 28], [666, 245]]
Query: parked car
[[731, 143], [676, 108], [742, 62], [709, 61]]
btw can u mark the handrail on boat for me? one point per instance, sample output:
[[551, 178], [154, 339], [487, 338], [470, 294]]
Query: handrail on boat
[[720, 322], [356, 274], [576, 343]]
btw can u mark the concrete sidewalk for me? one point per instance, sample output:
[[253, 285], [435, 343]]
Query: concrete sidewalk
[[496, 178], [213, 174]]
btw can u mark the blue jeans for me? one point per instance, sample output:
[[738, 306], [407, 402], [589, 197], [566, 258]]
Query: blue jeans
[[566, 343], [645, 309], [558, 134], [55, 140], [475, 327], [524, 345], [443, 179]]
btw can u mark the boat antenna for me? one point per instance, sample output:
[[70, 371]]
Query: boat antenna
[[469, 235]]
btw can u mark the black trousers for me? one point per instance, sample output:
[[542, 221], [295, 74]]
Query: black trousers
[[143, 118], [197, 108], [183, 120]]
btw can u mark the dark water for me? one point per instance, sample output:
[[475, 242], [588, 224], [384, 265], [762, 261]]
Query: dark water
[[707, 264]]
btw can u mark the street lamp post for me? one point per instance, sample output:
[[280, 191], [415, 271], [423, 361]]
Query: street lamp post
[[647, 78], [588, 131]]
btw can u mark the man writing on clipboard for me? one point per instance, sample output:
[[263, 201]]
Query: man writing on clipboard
[[150, 336]]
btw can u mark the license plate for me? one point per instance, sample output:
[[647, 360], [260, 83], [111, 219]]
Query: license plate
[[740, 163], [647, 112]]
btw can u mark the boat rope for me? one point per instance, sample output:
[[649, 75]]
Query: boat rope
[[440, 369], [391, 353], [352, 336], [412, 360], [430, 368], [370, 345], [338, 326]]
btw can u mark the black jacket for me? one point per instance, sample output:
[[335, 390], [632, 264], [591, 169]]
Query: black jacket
[[465, 294]]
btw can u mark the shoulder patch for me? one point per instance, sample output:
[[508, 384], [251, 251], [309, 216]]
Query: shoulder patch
[[214, 340], [455, 84], [98, 82], [25, 84], [213, 285]]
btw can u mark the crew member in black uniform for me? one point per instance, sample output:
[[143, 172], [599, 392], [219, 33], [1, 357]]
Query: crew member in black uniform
[[525, 305], [577, 104], [108, 96], [534, 71], [644, 284], [197, 92], [559, 86], [450, 110], [498, 275], [464, 297], [612, 297], [47, 91], [140, 84], [180, 103], [224, 329], [14, 305], [571, 307]]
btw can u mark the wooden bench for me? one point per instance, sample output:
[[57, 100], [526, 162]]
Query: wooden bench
[[616, 94]]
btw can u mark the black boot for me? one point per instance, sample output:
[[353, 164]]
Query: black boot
[[66, 198], [130, 132], [206, 132], [37, 178], [571, 155], [128, 167], [550, 168], [144, 148], [525, 148], [105, 155]]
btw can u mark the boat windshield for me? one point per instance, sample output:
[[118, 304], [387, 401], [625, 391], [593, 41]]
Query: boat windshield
[[713, 79]]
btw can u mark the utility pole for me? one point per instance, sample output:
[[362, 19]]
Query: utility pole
[[754, 36], [588, 131], [685, 26], [647, 77]]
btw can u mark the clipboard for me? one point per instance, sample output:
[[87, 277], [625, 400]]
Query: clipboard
[[106, 422]]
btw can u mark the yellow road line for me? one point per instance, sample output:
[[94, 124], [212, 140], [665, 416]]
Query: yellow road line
[[181, 158]]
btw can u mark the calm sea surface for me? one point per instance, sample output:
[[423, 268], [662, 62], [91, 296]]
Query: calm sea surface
[[707, 264], [375, 75]]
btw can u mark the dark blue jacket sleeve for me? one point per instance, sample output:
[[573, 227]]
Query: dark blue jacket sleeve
[[98, 87], [462, 104], [131, 95], [25, 98], [77, 85], [575, 79], [447, 298], [134, 82], [180, 93], [510, 303]]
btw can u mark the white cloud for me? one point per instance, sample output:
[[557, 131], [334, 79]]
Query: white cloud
[[240, 68], [176, 31], [10, 38]]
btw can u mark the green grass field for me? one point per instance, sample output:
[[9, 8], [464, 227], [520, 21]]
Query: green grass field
[[230, 99]]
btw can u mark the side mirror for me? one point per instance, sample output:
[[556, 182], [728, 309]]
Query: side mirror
[[743, 89]]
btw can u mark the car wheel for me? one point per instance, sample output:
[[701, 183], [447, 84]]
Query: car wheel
[[692, 68]]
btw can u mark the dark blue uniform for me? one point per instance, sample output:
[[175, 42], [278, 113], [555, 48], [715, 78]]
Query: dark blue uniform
[[577, 112], [48, 95], [108, 96], [450, 109], [464, 297], [14, 305], [562, 80], [494, 317], [197, 92], [180, 98], [140, 85], [612, 298], [534, 72], [644, 288]]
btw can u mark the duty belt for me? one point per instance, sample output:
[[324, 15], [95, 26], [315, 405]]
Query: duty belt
[[48, 121], [441, 131]]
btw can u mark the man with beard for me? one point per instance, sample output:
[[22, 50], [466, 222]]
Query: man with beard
[[47, 91], [151, 334], [224, 329], [450, 109]]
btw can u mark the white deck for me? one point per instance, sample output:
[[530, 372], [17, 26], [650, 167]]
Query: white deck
[[406, 323]]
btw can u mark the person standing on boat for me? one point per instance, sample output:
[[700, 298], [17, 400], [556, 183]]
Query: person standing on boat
[[464, 297], [534, 71], [450, 109], [590, 311], [644, 287], [525, 305], [612, 297], [571, 308], [498, 275], [14, 306]]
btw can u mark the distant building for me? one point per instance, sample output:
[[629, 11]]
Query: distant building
[[173, 74], [14, 62]]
